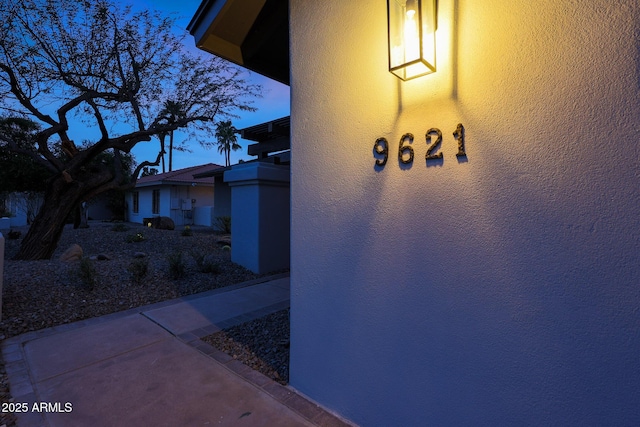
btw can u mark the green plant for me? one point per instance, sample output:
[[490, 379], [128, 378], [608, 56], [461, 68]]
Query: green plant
[[204, 263], [187, 231], [223, 224], [87, 273], [177, 267], [135, 238], [138, 270], [120, 227]]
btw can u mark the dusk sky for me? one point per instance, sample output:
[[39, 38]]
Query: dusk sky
[[274, 103]]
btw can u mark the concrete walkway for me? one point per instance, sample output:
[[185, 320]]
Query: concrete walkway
[[147, 367]]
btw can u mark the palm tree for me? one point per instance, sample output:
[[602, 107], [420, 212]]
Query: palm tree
[[172, 111], [162, 136], [227, 140]]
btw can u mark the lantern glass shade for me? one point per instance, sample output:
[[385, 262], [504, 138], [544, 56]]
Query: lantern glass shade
[[412, 37]]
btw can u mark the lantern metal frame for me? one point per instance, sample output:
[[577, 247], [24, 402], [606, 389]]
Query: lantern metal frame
[[412, 26]]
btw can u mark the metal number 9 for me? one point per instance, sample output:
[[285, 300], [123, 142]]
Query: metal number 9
[[381, 146]]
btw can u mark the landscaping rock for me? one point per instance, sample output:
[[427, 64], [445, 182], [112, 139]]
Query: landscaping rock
[[46, 293], [165, 223], [160, 223], [74, 253], [261, 344]]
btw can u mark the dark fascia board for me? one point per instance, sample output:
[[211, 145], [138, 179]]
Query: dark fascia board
[[250, 33], [263, 148], [268, 130]]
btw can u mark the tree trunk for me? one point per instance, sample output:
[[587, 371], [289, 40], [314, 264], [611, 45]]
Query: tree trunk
[[162, 136], [60, 199], [84, 215], [171, 151]]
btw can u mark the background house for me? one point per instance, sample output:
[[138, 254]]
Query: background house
[[176, 194], [19, 207], [256, 195], [497, 288], [22, 207]]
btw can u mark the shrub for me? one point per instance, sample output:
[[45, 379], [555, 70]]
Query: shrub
[[120, 227], [134, 238], [177, 267], [87, 274], [187, 231], [197, 256], [138, 270], [204, 263], [223, 224]]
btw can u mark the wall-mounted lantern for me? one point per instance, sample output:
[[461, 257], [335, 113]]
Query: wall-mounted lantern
[[412, 37]]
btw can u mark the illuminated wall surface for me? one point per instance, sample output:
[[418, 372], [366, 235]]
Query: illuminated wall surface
[[500, 289]]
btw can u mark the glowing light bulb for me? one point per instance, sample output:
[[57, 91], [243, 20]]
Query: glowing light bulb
[[411, 37]]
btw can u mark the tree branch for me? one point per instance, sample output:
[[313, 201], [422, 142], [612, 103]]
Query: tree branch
[[142, 165], [23, 99], [100, 120]]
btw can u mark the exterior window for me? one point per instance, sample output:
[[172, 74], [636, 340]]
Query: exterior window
[[156, 202], [136, 202]]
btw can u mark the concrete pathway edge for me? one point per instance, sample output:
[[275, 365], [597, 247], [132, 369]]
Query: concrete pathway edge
[[22, 388]]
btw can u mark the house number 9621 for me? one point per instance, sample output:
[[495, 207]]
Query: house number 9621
[[406, 153]]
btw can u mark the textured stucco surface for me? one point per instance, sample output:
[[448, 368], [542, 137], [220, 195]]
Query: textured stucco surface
[[502, 290], [260, 215]]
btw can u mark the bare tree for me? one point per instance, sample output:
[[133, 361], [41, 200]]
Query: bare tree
[[62, 61]]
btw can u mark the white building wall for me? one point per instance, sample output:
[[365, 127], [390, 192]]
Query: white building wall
[[499, 290], [201, 209], [198, 198], [145, 209]]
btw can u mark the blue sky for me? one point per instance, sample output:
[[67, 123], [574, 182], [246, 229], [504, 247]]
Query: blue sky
[[274, 104]]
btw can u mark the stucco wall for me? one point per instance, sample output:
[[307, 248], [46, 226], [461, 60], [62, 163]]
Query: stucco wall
[[500, 290], [222, 197], [145, 206], [260, 215], [202, 194]]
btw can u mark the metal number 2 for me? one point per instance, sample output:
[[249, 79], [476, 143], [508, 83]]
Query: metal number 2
[[435, 145]]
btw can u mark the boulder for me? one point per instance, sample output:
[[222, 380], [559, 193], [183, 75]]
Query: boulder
[[165, 223], [160, 222], [73, 253]]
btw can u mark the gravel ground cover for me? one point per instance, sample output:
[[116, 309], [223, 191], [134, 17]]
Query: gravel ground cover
[[262, 344], [46, 293]]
